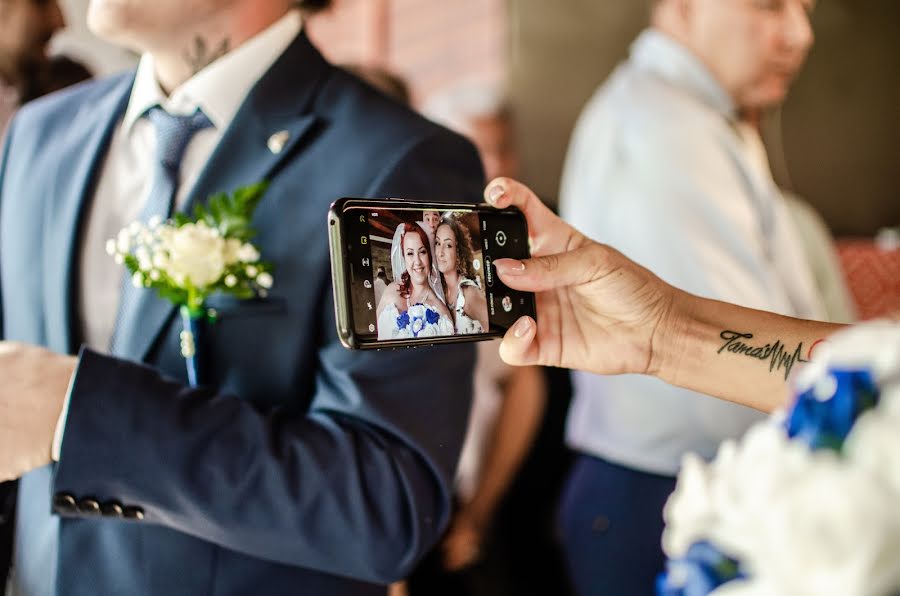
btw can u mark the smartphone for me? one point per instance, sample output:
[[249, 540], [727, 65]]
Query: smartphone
[[408, 273]]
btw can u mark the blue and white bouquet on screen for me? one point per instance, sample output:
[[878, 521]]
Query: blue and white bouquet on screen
[[808, 502], [422, 321]]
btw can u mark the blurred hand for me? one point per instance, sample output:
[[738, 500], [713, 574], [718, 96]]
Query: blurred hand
[[597, 310], [462, 542], [32, 392]]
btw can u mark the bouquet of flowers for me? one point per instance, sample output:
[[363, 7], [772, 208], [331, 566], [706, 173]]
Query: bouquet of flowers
[[187, 259], [808, 502], [422, 321]]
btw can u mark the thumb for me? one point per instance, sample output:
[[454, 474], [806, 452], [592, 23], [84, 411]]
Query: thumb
[[520, 345], [573, 268]]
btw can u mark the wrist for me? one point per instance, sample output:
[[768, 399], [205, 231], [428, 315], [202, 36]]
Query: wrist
[[669, 341]]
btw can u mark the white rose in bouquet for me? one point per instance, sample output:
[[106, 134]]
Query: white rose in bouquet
[[195, 253]]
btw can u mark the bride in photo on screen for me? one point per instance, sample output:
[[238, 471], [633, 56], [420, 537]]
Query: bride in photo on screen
[[412, 305]]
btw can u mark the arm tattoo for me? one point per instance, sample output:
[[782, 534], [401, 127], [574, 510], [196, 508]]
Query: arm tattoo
[[201, 56], [776, 353]]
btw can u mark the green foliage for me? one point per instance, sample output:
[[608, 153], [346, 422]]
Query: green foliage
[[230, 214]]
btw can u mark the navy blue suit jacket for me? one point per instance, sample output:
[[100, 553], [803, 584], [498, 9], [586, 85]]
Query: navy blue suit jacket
[[310, 469]]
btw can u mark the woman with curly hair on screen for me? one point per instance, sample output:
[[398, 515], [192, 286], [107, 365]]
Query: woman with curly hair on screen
[[454, 256]]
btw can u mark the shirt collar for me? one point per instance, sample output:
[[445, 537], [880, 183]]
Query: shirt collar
[[656, 52], [220, 88]]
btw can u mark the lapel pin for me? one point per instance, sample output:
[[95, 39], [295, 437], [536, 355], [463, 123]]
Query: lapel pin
[[277, 141]]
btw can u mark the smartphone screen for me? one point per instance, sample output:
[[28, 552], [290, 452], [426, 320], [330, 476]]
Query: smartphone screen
[[423, 274]]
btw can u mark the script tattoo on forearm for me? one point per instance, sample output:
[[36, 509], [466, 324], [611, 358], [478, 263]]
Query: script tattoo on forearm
[[776, 353], [201, 55]]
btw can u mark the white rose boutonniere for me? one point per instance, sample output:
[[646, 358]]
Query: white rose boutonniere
[[187, 259]]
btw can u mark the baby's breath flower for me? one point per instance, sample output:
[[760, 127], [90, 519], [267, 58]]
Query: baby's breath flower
[[230, 280], [123, 242], [264, 280], [248, 254]]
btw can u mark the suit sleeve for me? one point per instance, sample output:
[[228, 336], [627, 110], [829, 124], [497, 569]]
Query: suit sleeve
[[7, 489], [359, 485]]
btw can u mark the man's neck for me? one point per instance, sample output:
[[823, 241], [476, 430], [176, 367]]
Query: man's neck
[[178, 62]]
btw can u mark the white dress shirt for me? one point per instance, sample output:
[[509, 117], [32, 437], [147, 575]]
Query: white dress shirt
[[659, 168], [127, 172]]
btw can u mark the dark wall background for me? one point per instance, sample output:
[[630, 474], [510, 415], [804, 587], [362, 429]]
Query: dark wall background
[[836, 141]]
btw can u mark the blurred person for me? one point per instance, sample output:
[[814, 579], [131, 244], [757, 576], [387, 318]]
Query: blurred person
[[380, 283], [508, 403], [301, 468], [26, 27], [483, 114], [599, 311], [821, 253], [389, 83], [62, 72], [454, 256], [814, 236], [663, 166], [415, 273]]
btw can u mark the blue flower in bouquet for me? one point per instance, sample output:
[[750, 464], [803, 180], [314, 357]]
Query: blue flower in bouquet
[[703, 569], [403, 320], [432, 317], [823, 415]]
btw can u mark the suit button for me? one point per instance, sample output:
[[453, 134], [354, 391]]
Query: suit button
[[601, 524], [64, 504], [113, 509], [135, 513], [89, 507]]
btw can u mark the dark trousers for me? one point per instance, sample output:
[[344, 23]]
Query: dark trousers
[[611, 525]]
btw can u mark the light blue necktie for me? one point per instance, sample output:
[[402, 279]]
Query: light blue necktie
[[173, 133]]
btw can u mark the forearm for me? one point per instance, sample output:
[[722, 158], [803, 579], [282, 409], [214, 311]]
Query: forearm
[[734, 353], [327, 490], [519, 418]]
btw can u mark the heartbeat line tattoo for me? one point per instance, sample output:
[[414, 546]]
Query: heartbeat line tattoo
[[777, 355]]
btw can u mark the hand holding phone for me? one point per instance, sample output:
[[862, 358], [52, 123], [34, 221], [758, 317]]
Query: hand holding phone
[[410, 273]]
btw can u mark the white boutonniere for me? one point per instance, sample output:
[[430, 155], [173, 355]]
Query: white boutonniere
[[189, 258]]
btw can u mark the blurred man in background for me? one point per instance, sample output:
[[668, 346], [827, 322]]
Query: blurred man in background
[[26, 27], [664, 167]]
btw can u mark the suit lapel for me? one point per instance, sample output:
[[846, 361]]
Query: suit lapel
[[280, 103], [83, 150]]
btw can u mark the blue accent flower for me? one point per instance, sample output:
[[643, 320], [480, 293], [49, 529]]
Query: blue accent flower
[[823, 421], [403, 320], [432, 317], [699, 572]]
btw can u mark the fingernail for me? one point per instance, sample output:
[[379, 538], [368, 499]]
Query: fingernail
[[509, 267], [522, 327], [495, 192]]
